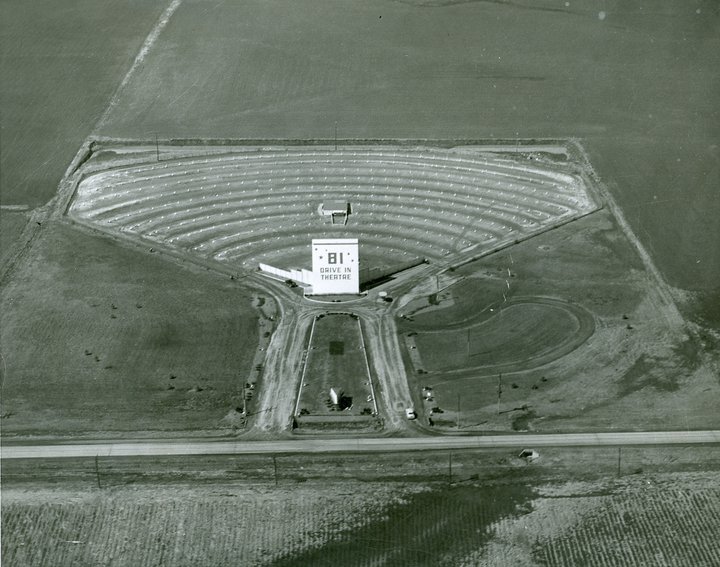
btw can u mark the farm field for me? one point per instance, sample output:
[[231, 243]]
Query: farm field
[[100, 338], [60, 65], [521, 518], [665, 523], [637, 365]]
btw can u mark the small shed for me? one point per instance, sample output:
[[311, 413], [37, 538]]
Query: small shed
[[337, 210]]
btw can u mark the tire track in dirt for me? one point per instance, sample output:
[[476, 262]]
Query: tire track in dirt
[[384, 353], [283, 366]]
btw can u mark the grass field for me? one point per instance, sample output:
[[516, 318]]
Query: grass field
[[641, 368], [11, 226], [336, 359], [100, 338], [540, 331]]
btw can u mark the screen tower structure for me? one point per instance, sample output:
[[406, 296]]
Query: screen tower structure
[[335, 266]]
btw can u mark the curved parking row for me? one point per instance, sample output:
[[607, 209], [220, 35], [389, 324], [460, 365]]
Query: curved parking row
[[246, 205]]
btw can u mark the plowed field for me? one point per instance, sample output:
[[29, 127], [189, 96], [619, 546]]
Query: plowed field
[[669, 519]]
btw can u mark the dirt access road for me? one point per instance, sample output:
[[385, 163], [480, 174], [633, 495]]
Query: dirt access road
[[366, 445]]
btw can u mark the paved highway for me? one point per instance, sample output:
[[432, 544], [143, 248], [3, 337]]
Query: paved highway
[[377, 445]]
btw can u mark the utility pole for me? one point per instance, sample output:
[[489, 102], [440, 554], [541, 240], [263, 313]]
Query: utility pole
[[275, 470], [157, 148], [457, 420], [450, 468], [244, 397], [619, 457], [336, 135], [499, 391], [97, 471]]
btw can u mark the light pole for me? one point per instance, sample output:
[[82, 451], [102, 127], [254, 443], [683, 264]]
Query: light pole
[[499, 392], [457, 421]]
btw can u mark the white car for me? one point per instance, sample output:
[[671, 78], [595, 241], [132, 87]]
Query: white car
[[410, 413]]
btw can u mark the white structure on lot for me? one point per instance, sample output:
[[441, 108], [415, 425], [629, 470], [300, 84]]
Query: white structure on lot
[[301, 276], [338, 211], [335, 396]]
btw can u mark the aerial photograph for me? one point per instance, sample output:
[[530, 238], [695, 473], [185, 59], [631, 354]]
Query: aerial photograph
[[364, 283]]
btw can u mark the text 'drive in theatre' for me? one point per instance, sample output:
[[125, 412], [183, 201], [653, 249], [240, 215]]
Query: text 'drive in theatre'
[[335, 266]]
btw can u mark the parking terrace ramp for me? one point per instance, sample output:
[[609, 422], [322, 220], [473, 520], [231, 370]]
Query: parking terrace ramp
[[262, 206]]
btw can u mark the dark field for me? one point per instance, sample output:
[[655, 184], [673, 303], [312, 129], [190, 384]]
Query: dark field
[[59, 66], [101, 338], [61, 63]]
